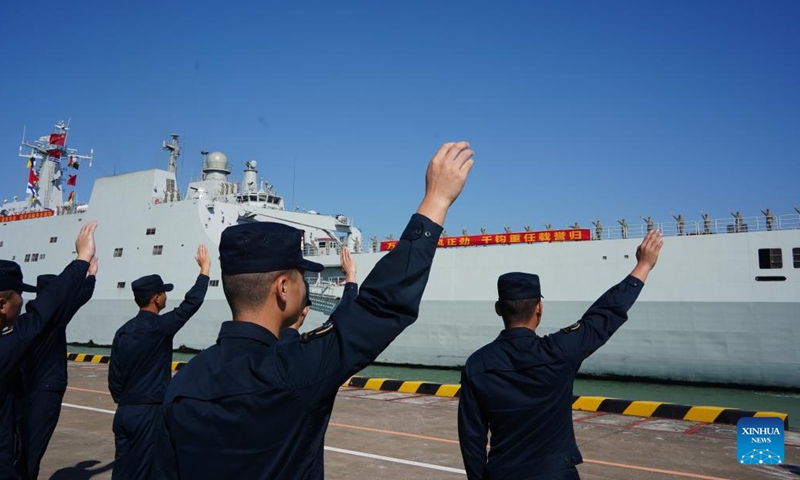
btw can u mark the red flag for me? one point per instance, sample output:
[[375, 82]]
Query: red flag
[[54, 153], [58, 139], [32, 178], [71, 196], [72, 179]]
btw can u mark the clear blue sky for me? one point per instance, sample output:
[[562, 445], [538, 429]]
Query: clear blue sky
[[575, 110]]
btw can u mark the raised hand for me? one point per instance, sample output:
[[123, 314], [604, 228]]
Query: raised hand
[[445, 178], [203, 260], [647, 254], [84, 244], [348, 265]]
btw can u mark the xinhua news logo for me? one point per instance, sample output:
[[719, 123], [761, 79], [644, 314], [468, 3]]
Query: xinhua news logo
[[760, 441]]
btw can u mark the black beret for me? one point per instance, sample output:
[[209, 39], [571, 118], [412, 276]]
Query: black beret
[[260, 247], [149, 285], [518, 286]]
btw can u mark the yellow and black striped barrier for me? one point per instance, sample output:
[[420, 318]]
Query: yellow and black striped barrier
[[87, 357], [588, 404], [104, 359], [675, 411], [635, 408]]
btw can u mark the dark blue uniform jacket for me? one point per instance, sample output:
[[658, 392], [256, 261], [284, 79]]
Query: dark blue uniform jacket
[[141, 355], [256, 407], [45, 366], [40, 317], [519, 387]]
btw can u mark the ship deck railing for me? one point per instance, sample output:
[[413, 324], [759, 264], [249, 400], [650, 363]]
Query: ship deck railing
[[614, 231], [759, 223]]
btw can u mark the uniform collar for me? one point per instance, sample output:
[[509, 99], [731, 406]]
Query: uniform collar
[[246, 330], [517, 332]]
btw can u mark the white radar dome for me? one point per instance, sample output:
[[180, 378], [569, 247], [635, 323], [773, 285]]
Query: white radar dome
[[217, 161]]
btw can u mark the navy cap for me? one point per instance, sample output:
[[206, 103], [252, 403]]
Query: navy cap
[[150, 285], [518, 286], [43, 280], [11, 278], [260, 247], [308, 294]]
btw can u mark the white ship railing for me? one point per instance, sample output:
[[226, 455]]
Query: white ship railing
[[698, 227], [614, 231]]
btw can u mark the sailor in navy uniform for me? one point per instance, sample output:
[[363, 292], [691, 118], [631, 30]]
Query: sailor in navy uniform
[[19, 332], [140, 367], [256, 405], [519, 387], [44, 375]]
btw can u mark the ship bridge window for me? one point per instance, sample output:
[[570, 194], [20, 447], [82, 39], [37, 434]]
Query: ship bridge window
[[117, 252], [41, 256], [53, 239], [27, 257], [150, 231], [120, 284], [1, 243], [34, 257], [213, 283], [795, 255], [770, 258], [158, 249]]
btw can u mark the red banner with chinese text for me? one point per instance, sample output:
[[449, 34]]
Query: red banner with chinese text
[[547, 236], [27, 216]]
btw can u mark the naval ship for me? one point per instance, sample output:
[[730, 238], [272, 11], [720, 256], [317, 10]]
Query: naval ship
[[722, 307]]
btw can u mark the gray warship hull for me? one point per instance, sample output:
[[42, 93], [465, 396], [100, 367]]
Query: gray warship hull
[[710, 312]]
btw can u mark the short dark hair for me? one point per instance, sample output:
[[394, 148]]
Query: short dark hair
[[144, 301], [246, 291], [517, 311]]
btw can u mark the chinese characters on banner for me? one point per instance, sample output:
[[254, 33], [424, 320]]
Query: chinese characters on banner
[[567, 235], [27, 216]]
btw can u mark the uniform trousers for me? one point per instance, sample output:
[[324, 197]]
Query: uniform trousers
[[42, 409], [136, 429]]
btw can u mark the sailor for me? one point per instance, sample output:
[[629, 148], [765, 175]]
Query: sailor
[[770, 219], [706, 222], [679, 219], [598, 228], [623, 226], [576, 226], [44, 375], [739, 221], [140, 367], [18, 332], [649, 221], [519, 387], [256, 406]]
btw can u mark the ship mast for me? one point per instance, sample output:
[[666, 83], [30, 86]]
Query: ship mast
[[174, 149], [48, 151]]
